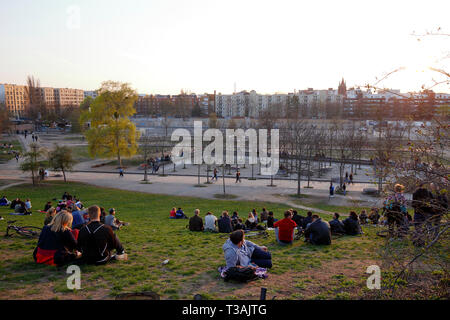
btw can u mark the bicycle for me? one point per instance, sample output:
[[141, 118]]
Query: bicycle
[[27, 231]]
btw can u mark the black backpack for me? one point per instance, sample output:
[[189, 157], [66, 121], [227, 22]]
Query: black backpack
[[244, 274]]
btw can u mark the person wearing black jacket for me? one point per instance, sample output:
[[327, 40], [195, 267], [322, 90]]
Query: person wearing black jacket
[[96, 241], [318, 232], [224, 223], [195, 222], [298, 219], [307, 220], [336, 226], [351, 224]]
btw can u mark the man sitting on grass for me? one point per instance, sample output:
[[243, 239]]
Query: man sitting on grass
[[285, 229], [97, 241], [318, 231], [351, 224], [224, 223], [210, 222], [4, 202], [271, 220], [337, 227], [240, 252], [112, 221], [195, 222], [307, 220], [78, 220]]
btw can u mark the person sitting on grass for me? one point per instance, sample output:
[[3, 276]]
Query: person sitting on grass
[[224, 223], [57, 244], [255, 215], [251, 222], [351, 224], [336, 225], [298, 219], [239, 252], [363, 217], [374, 216], [97, 241], [195, 222], [180, 214], [65, 196], [47, 206], [28, 206], [78, 220], [112, 221], [271, 220], [285, 229], [4, 202], [20, 207], [234, 219], [210, 222], [173, 213], [307, 220], [14, 203], [318, 232], [239, 225], [264, 215], [49, 216]]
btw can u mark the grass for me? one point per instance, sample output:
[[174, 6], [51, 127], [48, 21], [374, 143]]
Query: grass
[[4, 156], [300, 271]]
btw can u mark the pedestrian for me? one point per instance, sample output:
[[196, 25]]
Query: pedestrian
[[215, 174], [344, 188], [331, 191], [346, 177], [238, 176], [120, 172], [36, 138], [17, 157], [351, 178]]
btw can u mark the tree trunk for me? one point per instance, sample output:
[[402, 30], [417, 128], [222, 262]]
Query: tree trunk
[[64, 174], [223, 178]]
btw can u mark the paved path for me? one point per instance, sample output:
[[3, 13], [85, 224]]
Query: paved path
[[252, 190]]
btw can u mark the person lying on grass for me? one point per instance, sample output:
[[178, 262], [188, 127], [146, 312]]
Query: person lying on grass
[[57, 244], [195, 222], [318, 232], [243, 253], [97, 241], [285, 229]]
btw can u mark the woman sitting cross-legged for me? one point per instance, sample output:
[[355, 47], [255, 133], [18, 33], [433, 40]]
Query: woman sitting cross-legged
[[240, 252], [57, 244], [251, 222]]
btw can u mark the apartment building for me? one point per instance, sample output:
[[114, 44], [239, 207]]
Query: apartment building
[[14, 98], [92, 94], [66, 97]]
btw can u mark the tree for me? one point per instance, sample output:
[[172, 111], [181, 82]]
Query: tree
[[61, 158], [111, 133], [36, 106], [5, 124], [33, 160]]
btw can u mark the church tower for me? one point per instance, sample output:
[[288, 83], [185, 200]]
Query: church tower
[[342, 88]]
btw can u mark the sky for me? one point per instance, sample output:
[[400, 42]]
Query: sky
[[164, 46]]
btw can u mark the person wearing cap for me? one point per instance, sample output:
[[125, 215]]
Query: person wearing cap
[[110, 220]]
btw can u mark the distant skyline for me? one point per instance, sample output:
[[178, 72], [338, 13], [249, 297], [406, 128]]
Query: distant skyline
[[205, 45]]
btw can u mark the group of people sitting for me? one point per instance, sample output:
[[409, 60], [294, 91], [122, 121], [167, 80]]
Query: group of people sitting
[[227, 224], [93, 243], [20, 207]]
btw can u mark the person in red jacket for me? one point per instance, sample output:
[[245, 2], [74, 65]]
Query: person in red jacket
[[57, 244], [285, 228]]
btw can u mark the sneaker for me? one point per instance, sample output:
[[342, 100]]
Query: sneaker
[[122, 256]]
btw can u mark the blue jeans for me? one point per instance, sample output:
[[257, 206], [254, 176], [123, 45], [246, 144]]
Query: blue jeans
[[261, 258], [281, 242]]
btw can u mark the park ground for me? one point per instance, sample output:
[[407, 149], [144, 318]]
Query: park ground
[[300, 271]]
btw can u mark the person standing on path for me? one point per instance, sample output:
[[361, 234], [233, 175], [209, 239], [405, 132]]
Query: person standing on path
[[331, 191], [215, 174], [120, 172], [238, 176], [351, 178]]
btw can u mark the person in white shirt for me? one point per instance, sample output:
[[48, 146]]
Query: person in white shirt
[[210, 222]]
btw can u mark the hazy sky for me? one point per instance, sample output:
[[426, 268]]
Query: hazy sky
[[206, 45]]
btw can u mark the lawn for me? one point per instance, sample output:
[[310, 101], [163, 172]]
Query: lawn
[[4, 156], [300, 271]]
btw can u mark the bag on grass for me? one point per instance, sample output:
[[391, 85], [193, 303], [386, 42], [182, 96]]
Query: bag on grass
[[244, 274]]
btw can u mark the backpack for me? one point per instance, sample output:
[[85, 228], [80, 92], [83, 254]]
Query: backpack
[[245, 274]]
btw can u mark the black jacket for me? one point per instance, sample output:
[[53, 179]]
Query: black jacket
[[96, 241], [298, 219], [196, 223], [318, 232], [336, 226], [306, 221], [352, 226], [224, 224]]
